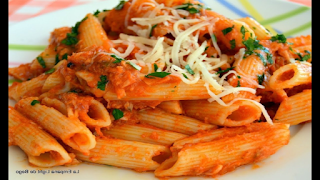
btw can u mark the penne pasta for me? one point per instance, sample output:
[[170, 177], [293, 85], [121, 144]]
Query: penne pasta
[[41, 148], [91, 33], [55, 78], [71, 131], [239, 113], [56, 104], [172, 122], [220, 156], [128, 154], [143, 133], [96, 115], [291, 75], [166, 92], [173, 106], [89, 82], [27, 88], [259, 31], [215, 134], [295, 109]]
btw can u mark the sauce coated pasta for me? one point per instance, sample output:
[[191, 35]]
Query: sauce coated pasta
[[165, 86]]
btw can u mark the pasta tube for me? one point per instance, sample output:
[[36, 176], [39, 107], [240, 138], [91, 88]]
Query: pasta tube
[[128, 154], [91, 33], [295, 109], [260, 31], [239, 113], [96, 115], [71, 131], [27, 88], [41, 148], [172, 122], [171, 106], [143, 133], [291, 75], [220, 156], [166, 92], [214, 134]]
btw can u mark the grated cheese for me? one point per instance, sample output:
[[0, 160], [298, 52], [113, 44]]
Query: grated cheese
[[184, 50]]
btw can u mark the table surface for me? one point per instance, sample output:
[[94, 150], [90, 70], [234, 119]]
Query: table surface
[[20, 10]]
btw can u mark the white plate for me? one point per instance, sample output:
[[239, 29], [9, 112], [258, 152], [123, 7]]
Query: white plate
[[293, 161]]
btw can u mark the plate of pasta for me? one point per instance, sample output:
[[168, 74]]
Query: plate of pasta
[[162, 89]]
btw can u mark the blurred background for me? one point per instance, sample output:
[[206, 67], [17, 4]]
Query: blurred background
[[20, 10]]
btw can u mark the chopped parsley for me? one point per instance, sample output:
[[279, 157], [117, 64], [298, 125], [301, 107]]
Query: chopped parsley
[[96, 13], [134, 65], [50, 71], [120, 5], [238, 84], [102, 83], [154, 26], [190, 71], [117, 114], [65, 56], [118, 59], [71, 38], [41, 61], [232, 43], [191, 8], [226, 70], [260, 78], [252, 45], [279, 37], [157, 74], [305, 57], [34, 102], [185, 76], [155, 66], [243, 31], [227, 30], [57, 59]]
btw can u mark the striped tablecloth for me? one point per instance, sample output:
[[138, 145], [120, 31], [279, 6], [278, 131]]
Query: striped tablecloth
[[20, 10]]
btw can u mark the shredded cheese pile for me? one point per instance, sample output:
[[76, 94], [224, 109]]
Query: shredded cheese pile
[[186, 34]]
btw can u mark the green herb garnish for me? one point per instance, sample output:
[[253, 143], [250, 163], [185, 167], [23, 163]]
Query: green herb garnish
[[120, 5], [41, 61], [96, 13], [279, 37], [155, 66], [118, 59], [243, 31], [190, 71], [35, 102], [185, 76], [191, 8], [102, 83], [252, 45], [232, 43], [226, 70], [227, 30], [50, 71], [65, 56], [152, 29], [71, 38], [117, 114], [260, 78], [57, 59], [238, 84], [157, 74]]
